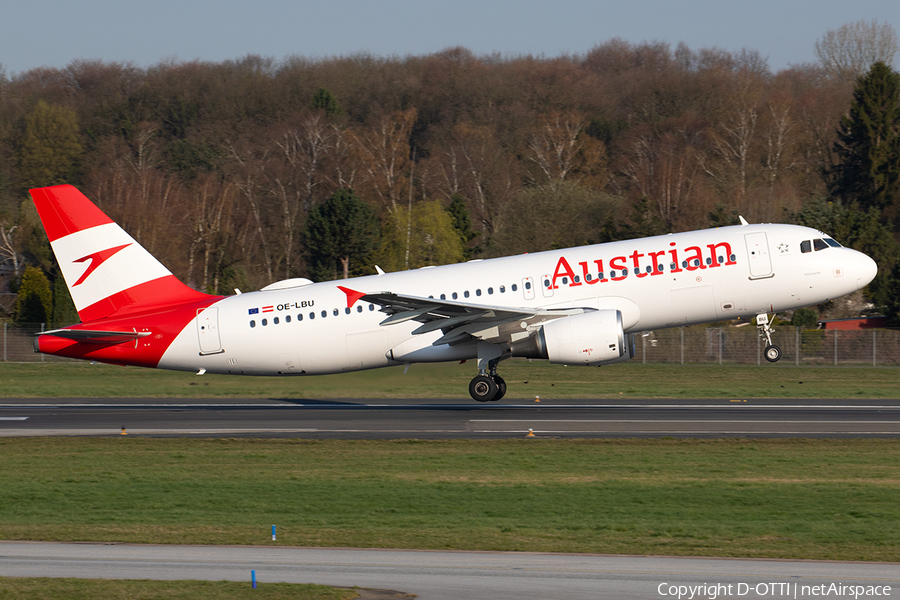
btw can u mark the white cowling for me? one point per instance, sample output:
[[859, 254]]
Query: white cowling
[[592, 338]]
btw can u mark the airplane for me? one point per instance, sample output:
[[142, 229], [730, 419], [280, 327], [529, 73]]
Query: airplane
[[575, 306]]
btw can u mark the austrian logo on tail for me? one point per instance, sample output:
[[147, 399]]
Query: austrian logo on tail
[[97, 259]]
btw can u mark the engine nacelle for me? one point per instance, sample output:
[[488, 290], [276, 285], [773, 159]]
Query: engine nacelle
[[592, 338]]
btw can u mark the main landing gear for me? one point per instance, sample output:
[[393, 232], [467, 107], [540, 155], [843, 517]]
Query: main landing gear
[[487, 386], [772, 352]]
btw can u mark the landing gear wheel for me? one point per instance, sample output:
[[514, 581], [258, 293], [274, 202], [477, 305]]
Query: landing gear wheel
[[773, 353], [501, 387], [483, 388]]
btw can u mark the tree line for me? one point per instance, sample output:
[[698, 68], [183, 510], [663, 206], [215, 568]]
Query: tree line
[[240, 173]]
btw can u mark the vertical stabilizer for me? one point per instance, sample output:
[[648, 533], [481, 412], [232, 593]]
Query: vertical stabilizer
[[106, 270]]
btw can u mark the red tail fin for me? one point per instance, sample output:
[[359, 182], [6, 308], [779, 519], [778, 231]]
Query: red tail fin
[[106, 270]]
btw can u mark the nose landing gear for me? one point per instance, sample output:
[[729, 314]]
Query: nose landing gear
[[772, 352]]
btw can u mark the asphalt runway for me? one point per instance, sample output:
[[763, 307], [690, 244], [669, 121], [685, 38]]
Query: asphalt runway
[[424, 419], [436, 575]]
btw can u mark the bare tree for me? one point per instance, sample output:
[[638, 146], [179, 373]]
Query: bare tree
[[8, 252], [663, 163], [384, 150], [251, 171], [211, 224], [561, 151], [304, 148], [478, 167], [848, 51], [776, 137]]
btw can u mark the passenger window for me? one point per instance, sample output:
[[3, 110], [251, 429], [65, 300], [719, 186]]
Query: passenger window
[[347, 311], [547, 283], [588, 277], [819, 245], [359, 308], [275, 321], [805, 246], [287, 318], [265, 322], [503, 289], [252, 323], [478, 292], [299, 316], [565, 281], [443, 296], [466, 293], [527, 285], [514, 287], [455, 295], [324, 313], [371, 307], [335, 312], [577, 279], [490, 291]]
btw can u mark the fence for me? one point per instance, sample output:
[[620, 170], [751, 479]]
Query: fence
[[683, 345], [742, 345], [18, 343]]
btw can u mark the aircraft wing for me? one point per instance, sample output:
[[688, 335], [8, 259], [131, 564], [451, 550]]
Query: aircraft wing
[[460, 321]]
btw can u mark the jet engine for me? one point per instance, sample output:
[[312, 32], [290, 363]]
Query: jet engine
[[591, 338]]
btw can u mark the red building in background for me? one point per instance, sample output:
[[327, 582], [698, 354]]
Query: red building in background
[[857, 323]]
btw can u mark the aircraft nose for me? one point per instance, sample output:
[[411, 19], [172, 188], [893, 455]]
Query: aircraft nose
[[866, 269]]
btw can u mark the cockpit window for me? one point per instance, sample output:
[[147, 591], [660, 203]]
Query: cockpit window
[[805, 246], [832, 243], [819, 244]]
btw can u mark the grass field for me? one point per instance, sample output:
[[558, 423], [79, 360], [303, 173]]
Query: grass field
[[13, 588], [525, 379], [817, 499]]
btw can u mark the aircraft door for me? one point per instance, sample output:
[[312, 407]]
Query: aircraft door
[[758, 254], [528, 288], [208, 330]]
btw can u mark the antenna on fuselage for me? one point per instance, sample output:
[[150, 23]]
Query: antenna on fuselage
[[743, 221]]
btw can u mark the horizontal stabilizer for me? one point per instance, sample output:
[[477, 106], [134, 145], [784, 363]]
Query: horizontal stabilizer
[[97, 337]]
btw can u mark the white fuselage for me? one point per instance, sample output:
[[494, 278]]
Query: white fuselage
[[671, 280]]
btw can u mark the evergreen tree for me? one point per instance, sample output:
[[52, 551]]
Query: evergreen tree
[[64, 312], [325, 100], [49, 151], [340, 232], [868, 144], [806, 318], [643, 221], [35, 301], [863, 230], [462, 223]]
